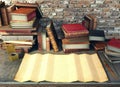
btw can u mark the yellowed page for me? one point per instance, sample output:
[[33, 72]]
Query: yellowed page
[[61, 68]]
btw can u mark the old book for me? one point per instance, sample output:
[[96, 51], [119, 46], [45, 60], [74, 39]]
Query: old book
[[52, 37], [48, 67], [9, 10], [74, 30], [39, 13], [22, 24], [23, 14], [80, 45], [96, 35], [4, 16], [112, 53], [114, 45], [112, 59], [99, 45], [16, 37], [67, 51], [75, 43], [75, 40], [90, 22]]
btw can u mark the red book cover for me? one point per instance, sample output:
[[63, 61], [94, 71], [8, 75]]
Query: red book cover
[[114, 43], [72, 28]]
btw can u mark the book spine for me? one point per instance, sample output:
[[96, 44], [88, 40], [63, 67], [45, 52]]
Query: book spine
[[74, 50], [9, 10], [8, 38], [47, 44], [75, 35], [39, 39], [4, 16], [52, 39]]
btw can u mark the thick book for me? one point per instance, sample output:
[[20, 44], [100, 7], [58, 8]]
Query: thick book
[[75, 40], [9, 10], [39, 13], [99, 45], [22, 24], [80, 45], [4, 16], [112, 53], [6, 30], [112, 59], [48, 67], [74, 30], [67, 51], [96, 35], [90, 22], [52, 36], [23, 14], [114, 45]]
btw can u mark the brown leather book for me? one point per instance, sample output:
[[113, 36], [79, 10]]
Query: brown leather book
[[52, 37], [74, 50], [23, 14], [90, 22], [4, 16], [74, 30], [9, 10]]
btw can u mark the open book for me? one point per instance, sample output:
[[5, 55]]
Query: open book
[[61, 68]]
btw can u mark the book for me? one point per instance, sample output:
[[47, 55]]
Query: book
[[16, 37], [112, 53], [4, 16], [96, 35], [22, 24], [52, 36], [9, 10], [48, 67], [39, 13], [90, 22], [114, 45], [23, 14], [80, 45], [67, 51], [99, 45], [75, 40], [112, 59], [74, 30]]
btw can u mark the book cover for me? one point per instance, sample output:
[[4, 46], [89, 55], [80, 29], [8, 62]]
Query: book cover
[[114, 45], [23, 14], [96, 35], [39, 13], [73, 28]]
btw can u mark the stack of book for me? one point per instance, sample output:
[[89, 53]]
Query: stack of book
[[76, 38], [22, 31], [97, 39], [112, 50]]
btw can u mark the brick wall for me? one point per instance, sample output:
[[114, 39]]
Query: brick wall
[[107, 11]]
